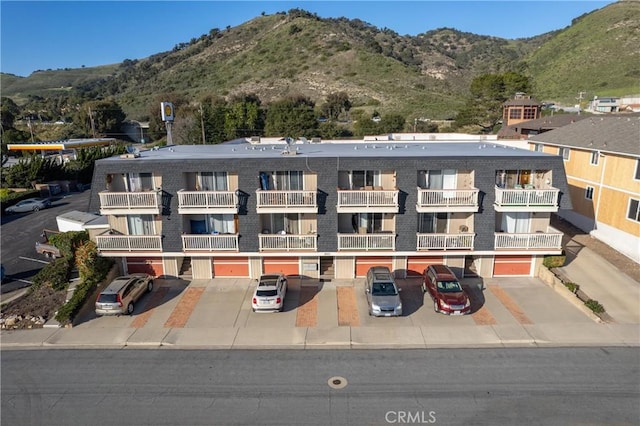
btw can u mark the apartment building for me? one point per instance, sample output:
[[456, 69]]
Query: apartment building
[[601, 156], [330, 209]]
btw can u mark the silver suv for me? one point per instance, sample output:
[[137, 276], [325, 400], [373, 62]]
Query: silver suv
[[383, 296], [121, 295]]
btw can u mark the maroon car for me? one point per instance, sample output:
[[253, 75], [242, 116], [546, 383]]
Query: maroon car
[[445, 290]]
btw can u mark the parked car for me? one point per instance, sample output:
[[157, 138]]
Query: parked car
[[445, 290], [269, 293], [122, 294], [29, 205], [383, 295]]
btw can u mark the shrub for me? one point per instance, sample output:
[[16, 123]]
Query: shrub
[[573, 287], [67, 242], [55, 274], [554, 261], [595, 306]]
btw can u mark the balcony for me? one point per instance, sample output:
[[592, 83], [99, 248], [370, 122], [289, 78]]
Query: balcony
[[207, 202], [445, 241], [221, 242], [287, 242], [272, 201], [527, 200], [447, 200], [550, 240], [366, 242], [148, 202], [368, 200], [129, 243]]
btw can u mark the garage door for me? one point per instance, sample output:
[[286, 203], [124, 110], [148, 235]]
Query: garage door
[[283, 265], [230, 266], [150, 265], [417, 265], [512, 265], [364, 263]]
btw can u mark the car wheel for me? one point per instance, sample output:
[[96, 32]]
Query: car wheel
[[130, 308], [36, 208], [435, 306], [150, 286]]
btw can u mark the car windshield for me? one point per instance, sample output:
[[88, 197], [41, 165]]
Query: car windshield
[[266, 293], [383, 289], [107, 298], [449, 287]]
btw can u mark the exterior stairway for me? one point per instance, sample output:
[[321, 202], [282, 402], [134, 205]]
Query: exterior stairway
[[185, 269], [326, 268]]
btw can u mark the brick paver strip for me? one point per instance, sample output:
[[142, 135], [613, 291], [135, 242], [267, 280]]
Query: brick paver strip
[[307, 315], [347, 308], [149, 308], [182, 311], [510, 304], [483, 315]]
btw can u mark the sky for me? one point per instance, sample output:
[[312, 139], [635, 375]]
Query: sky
[[41, 35]]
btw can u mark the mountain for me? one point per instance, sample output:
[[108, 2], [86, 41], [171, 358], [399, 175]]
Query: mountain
[[297, 52]]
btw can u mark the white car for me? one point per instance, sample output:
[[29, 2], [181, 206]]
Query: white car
[[269, 294], [29, 205]]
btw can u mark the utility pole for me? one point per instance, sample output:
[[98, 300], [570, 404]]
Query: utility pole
[[202, 125], [93, 124], [579, 98]]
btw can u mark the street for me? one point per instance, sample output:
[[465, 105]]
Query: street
[[546, 386], [21, 231]]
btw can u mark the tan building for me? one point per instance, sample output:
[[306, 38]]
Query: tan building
[[602, 162]]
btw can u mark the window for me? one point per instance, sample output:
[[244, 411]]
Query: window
[[634, 210], [529, 113], [515, 222], [212, 181], [537, 147], [595, 155], [140, 224], [363, 178], [137, 182], [433, 223], [588, 193], [515, 114], [564, 152], [368, 223], [637, 174]]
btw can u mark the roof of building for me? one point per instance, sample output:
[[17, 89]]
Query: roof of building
[[332, 149], [613, 133], [60, 145], [543, 124]]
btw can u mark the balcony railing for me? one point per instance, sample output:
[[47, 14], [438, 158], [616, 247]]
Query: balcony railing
[[552, 239], [272, 201], [129, 242], [288, 242], [203, 202], [371, 200], [538, 200], [197, 242], [366, 242], [450, 200], [445, 241], [148, 202]]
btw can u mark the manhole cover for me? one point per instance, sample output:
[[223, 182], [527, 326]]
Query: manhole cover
[[337, 382]]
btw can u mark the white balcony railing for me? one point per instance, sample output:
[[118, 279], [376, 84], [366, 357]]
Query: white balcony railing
[[430, 200], [203, 202], [366, 242], [198, 242], [527, 199], [129, 242], [148, 202], [272, 201], [373, 200], [445, 241], [287, 242], [552, 239]]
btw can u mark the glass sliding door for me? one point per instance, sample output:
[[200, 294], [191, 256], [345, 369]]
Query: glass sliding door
[[140, 224]]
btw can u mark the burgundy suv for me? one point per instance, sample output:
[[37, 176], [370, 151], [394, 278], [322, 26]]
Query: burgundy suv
[[445, 290]]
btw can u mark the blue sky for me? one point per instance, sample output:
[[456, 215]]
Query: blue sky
[[36, 35]]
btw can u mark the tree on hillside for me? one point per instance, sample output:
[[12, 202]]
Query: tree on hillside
[[389, 123], [99, 118], [292, 116], [488, 92], [337, 103], [243, 117]]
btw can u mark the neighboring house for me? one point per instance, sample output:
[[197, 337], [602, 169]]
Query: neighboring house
[[528, 129], [602, 163], [519, 109], [603, 104], [330, 209]]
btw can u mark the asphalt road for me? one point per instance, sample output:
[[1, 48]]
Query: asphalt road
[[21, 231], [559, 386]]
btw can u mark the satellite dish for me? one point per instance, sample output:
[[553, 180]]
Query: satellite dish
[[131, 149]]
